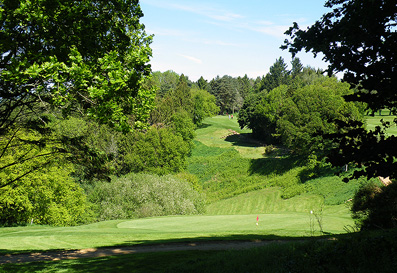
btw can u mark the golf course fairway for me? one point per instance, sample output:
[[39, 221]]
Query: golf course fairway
[[171, 228]]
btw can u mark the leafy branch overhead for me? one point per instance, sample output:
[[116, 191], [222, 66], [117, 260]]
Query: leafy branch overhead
[[359, 39], [65, 53], [65, 58]]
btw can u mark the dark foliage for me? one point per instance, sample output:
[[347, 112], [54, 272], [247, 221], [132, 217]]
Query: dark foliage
[[359, 38], [376, 207]]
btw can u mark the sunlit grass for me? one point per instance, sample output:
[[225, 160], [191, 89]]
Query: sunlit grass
[[153, 230], [220, 131], [373, 121], [265, 201]]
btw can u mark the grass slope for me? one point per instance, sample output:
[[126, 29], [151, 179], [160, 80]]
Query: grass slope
[[265, 201], [226, 170], [222, 132]]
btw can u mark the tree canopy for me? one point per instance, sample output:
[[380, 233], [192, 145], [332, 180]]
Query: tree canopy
[[359, 39], [90, 55], [297, 115], [63, 58]]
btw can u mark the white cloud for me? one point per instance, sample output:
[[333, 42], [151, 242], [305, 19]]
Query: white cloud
[[222, 16], [190, 58], [216, 42], [203, 9]]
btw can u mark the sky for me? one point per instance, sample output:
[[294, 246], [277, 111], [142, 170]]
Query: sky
[[225, 37]]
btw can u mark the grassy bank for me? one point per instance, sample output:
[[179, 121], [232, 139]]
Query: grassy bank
[[228, 162]]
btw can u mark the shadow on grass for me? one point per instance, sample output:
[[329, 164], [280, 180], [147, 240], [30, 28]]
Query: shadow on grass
[[244, 140], [226, 238], [203, 125], [218, 243], [345, 253], [307, 174], [279, 166]]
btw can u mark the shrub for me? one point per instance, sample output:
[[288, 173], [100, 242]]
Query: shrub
[[375, 206], [192, 179], [183, 126], [46, 197], [158, 151], [144, 195]]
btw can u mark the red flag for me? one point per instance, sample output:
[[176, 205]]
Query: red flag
[[257, 218]]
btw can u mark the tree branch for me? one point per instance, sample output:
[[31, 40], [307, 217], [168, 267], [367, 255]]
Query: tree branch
[[25, 174]]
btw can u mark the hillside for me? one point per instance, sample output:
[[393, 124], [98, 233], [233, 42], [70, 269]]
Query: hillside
[[228, 162]]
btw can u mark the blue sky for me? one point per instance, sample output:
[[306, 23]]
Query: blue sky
[[225, 37]]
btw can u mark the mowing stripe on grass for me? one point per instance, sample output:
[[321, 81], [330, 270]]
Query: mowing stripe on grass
[[152, 230], [265, 201]]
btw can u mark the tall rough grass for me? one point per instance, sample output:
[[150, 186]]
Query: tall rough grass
[[224, 173]]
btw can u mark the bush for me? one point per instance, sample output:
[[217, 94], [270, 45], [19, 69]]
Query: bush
[[183, 126], [145, 195], [46, 197], [375, 206], [158, 151]]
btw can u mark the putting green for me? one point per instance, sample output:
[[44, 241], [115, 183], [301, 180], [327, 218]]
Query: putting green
[[291, 223], [152, 230]]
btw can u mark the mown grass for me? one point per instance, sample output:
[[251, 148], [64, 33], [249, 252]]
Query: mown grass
[[171, 228], [265, 201], [365, 252], [373, 121], [220, 131]]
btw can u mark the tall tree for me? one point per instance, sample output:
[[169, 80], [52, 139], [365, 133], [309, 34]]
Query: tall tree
[[64, 57], [257, 86], [297, 67], [226, 91], [204, 105], [63, 53], [308, 113], [261, 111], [165, 81], [181, 95], [202, 83], [278, 75], [358, 37], [245, 86]]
